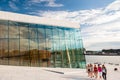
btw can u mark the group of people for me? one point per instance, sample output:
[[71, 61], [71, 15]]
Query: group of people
[[97, 71]]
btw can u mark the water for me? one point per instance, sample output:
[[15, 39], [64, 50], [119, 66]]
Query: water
[[102, 59]]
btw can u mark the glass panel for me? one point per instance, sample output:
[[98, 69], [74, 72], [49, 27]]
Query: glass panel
[[77, 33], [52, 58], [24, 32], [3, 29], [49, 33], [13, 30], [41, 32], [44, 54], [14, 56], [34, 56], [72, 34], [61, 45], [24, 52], [74, 57], [33, 31], [3, 51], [82, 63], [67, 35], [48, 39], [56, 38]]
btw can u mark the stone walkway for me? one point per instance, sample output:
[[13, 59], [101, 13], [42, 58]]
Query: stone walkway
[[37, 73]]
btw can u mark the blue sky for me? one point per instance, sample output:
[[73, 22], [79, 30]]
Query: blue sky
[[99, 19], [26, 6]]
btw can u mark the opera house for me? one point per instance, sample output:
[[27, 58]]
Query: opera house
[[27, 40]]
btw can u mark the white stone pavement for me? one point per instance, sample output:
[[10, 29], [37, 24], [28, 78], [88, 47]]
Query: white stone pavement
[[37, 73]]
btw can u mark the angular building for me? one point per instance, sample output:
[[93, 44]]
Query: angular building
[[37, 41]]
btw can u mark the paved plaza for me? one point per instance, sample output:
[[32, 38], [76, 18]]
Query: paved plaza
[[37, 73]]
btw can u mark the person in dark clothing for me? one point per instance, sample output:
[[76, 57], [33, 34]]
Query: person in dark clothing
[[104, 72]]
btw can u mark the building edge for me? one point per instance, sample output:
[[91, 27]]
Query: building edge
[[36, 20]]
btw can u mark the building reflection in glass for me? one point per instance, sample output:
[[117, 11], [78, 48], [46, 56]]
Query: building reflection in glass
[[24, 44]]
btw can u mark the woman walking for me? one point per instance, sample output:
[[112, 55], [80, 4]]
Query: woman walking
[[91, 71], [95, 71], [104, 72], [100, 71], [88, 69]]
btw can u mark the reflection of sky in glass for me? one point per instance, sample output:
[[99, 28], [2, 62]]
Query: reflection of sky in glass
[[41, 36]]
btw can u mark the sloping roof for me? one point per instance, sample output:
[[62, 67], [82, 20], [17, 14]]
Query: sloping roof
[[36, 20]]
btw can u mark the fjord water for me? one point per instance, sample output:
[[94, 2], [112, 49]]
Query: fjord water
[[102, 59]]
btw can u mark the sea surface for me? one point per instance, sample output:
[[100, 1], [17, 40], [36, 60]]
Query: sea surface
[[102, 59]]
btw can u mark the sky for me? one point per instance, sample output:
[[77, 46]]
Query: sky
[[99, 19]]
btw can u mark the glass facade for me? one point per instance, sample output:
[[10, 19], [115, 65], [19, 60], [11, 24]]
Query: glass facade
[[25, 44]]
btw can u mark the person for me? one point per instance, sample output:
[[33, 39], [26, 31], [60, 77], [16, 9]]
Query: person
[[100, 71], [91, 71], [104, 72], [95, 71], [88, 69]]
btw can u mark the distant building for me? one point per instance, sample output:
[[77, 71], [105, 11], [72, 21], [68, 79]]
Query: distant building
[[92, 52], [36, 41], [111, 51]]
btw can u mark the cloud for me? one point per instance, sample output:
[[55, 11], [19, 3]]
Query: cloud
[[49, 3], [13, 5], [114, 6], [100, 25], [103, 33], [99, 46], [82, 16]]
